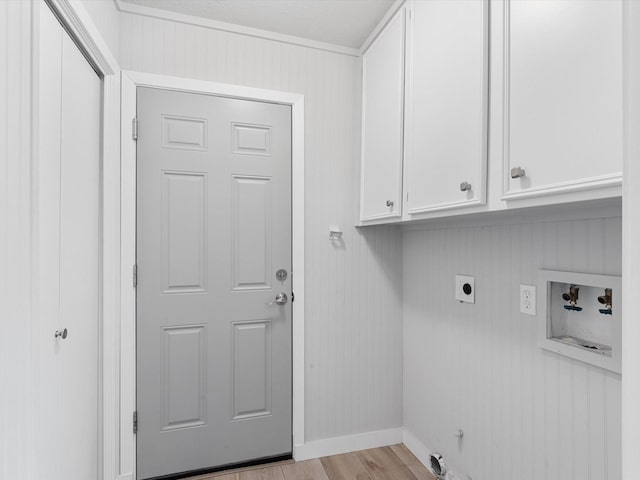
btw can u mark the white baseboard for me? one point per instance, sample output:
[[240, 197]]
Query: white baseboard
[[348, 443], [126, 476], [416, 447]]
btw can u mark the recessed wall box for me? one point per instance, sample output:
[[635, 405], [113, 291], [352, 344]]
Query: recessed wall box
[[465, 289], [572, 320]]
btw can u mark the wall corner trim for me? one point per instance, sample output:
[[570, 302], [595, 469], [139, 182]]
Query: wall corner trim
[[416, 447], [397, 5]]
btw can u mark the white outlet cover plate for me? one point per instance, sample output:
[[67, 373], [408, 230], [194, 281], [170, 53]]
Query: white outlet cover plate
[[528, 299], [460, 295]]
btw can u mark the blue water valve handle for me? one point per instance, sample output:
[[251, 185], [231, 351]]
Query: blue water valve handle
[[573, 308]]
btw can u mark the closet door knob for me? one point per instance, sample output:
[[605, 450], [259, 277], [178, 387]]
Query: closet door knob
[[517, 172], [389, 203], [61, 334], [465, 186]]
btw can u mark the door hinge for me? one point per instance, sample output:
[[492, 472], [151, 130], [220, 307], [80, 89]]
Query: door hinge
[[134, 128], [135, 276], [407, 196], [293, 297], [135, 422]]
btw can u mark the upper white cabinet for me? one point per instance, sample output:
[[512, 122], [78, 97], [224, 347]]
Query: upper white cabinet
[[382, 129], [446, 109], [556, 116], [563, 97]]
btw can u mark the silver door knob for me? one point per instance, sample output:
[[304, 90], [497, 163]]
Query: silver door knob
[[281, 299], [517, 172], [389, 203], [61, 334], [465, 186]]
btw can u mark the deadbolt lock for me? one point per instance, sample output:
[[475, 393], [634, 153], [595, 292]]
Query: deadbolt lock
[[282, 274]]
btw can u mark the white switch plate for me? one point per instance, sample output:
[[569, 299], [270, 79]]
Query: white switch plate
[[461, 281], [528, 299]]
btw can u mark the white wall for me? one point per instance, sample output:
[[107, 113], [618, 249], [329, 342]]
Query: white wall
[[106, 17], [17, 379], [527, 414], [352, 306]]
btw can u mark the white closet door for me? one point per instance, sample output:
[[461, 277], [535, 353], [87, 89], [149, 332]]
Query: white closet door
[[48, 255], [79, 254], [68, 219]]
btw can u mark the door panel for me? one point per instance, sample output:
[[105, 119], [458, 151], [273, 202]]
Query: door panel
[[69, 106], [184, 133], [213, 226], [183, 377], [447, 105], [382, 123], [50, 98], [251, 369], [564, 67], [251, 236], [79, 255], [251, 139], [183, 232]]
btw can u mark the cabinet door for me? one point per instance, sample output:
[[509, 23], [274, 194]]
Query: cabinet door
[[563, 96], [446, 149], [382, 129]]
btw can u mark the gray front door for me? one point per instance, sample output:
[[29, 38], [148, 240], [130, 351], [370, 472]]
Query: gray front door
[[213, 230]]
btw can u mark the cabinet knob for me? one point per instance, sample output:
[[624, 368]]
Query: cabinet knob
[[465, 186], [517, 172], [389, 203]]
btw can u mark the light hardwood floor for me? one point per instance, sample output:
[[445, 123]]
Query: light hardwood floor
[[386, 463]]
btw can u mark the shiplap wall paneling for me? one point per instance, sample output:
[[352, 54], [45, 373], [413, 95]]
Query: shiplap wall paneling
[[17, 377], [106, 17], [526, 413], [353, 358]]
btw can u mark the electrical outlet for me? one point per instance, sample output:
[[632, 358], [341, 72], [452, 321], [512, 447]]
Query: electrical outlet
[[465, 289], [528, 299]]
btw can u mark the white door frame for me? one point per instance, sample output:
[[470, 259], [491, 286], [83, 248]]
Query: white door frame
[[630, 241], [130, 82]]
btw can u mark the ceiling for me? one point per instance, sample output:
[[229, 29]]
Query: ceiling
[[341, 22]]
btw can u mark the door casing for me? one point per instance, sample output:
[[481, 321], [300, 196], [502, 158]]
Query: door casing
[[129, 83]]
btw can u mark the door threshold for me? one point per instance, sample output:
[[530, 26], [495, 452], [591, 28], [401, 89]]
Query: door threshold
[[229, 468]]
